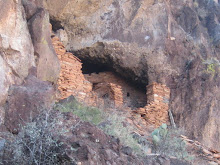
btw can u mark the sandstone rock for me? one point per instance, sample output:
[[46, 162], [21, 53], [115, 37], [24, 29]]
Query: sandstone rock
[[4, 82], [134, 38], [47, 62], [26, 101], [16, 49]]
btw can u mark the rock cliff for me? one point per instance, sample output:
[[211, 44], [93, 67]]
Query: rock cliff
[[25, 49], [16, 48], [172, 42]]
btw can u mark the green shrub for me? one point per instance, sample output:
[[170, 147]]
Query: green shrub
[[114, 123], [211, 68], [212, 65], [85, 113], [196, 5], [168, 142]]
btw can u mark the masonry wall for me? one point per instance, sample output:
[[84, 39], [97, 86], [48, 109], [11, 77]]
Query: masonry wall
[[123, 91], [156, 111], [110, 93], [71, 80], [158, 93]]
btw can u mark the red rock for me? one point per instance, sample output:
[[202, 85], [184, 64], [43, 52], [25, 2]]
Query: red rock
[[26, 101]]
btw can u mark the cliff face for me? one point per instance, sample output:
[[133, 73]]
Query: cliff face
[[25, 49], [175, 42], [171, 42], [16, 49]]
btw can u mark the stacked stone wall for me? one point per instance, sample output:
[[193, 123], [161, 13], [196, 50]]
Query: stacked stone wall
[[71, 80], [156, 111], [158, 93], [124, 92], [116, 94]]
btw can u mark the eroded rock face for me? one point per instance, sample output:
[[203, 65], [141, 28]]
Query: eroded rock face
[[16, 49], [21, 48], [120, 28], [31, 7], [26, 101], [47, 62], [146, 41]]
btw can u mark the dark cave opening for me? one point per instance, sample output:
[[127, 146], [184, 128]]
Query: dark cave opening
[[131, 89], [56, 25], [88, 67], [98, 58]]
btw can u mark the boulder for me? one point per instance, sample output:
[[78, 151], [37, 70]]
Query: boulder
[[47, 62], [26, 101]]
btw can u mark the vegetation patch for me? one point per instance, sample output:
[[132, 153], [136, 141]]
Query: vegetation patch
[[164, 141], [85, 113], [111, 123], [212, 65], [35, 144], [116, 127], [168, 142]]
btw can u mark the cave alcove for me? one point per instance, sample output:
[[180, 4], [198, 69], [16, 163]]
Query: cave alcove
[[88, 67], [130, 87]]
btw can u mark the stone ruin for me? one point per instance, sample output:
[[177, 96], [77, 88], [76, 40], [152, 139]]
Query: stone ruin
[[71, 80], [156, 110], [111, 86], [93, 89], [110, 91]]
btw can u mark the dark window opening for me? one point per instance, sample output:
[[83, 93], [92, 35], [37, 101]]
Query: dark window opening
[[105, 96], [128, 94], [94, 85]]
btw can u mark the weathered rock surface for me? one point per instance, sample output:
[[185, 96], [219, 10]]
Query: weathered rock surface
[[31, 7], [169, 42], [21, 48], [16, 49], [47, 62], [26, 101]]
